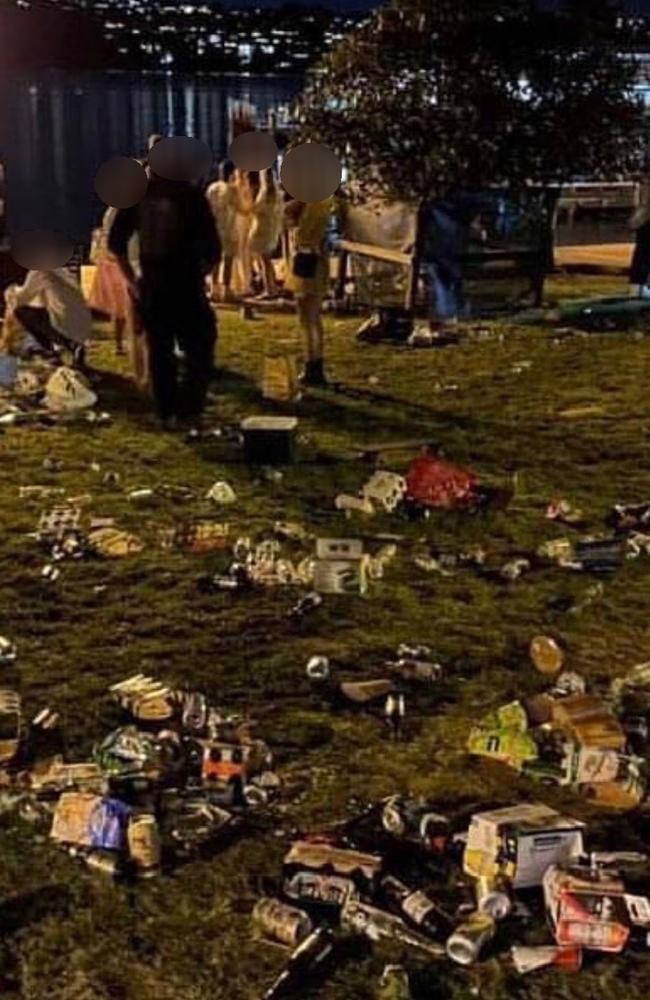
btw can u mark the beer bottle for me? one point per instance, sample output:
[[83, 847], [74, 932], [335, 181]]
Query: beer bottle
[[305, 961], [417, 908], [378, 925]]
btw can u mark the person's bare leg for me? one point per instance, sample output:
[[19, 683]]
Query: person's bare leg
[[227, 295], [311, 322], [303, 319], [215, 287], [268, 277], [119, 326]]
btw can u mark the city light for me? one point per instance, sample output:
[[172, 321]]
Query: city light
[[223, 39]]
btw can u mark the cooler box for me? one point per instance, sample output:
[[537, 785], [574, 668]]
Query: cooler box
[[269, 440]]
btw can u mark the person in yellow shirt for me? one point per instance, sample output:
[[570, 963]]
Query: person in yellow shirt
[[308, 279]]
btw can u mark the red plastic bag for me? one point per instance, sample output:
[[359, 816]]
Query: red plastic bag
[[435, 483]]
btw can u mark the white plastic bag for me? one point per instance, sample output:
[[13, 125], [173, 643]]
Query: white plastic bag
[[67, 391]]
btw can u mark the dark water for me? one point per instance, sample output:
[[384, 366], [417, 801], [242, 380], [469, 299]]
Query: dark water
[[56, 129]]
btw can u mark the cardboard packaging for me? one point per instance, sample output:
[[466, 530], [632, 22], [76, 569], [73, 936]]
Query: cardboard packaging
[[341, 566], [72, 823], [520, 843], [589, 722], [591, 908]]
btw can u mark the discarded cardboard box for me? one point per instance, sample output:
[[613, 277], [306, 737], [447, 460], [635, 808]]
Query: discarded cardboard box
[[589, 722], [520, 842], [341, 566], [590, 907]]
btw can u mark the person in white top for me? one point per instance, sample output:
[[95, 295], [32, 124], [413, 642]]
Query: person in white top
[[243, 264], [222, 196], [266, 229], [50, 306]]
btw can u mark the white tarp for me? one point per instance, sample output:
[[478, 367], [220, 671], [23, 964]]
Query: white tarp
[[390, 225]]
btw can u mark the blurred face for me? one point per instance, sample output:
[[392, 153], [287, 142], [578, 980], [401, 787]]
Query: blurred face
[[121, 182], [180, 158], [311, 172], [41, 250]]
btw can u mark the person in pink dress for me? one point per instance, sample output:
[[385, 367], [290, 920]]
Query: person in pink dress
[[109, 293]]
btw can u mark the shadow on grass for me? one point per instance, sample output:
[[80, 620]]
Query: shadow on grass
[[19, 912]]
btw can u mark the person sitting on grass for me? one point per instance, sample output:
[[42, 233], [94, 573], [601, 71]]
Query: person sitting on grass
[[51, 308]]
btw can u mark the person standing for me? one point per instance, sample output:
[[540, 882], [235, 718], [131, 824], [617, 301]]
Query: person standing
[[242, 265], [308, 279], [109, 293], [222, 197], [179, 247], [640, 265], [444, 233], [266, 230]]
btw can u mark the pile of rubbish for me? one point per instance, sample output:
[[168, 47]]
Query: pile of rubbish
[[179, 777], [570, 738], [596, 554], [412, 671], [36, 391], [397, 872], [430, 483], [61, 532], [336, 566], [600, 554]]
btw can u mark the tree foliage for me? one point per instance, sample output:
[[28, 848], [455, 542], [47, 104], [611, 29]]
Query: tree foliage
[[429, 94]]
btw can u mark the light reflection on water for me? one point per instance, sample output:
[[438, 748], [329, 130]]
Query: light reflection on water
[[58, 128]]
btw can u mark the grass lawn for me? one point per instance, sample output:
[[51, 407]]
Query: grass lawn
[[70, 934]]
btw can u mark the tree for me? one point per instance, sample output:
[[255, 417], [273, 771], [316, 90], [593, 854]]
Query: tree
[[432, 94]]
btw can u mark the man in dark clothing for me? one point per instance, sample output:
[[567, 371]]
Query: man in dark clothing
[[444, 233], [179, 246]]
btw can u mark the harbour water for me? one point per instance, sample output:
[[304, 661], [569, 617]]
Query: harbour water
[[56, 129]]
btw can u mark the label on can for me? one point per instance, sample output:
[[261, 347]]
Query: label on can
[[417, 906], [144, 842], [285, 924], [330, 890]]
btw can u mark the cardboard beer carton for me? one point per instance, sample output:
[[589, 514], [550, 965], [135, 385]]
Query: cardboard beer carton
[[305, 855], [73, 816], [341, 566], [520, 842], [589, 722], [590, 907]]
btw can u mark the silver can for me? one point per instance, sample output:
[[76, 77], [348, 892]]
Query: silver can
[[144, 844], [492, 897], [465, 945], [282, 923], [103, 861]]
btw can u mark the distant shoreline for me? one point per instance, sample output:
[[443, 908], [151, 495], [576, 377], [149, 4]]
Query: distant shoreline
[[151, 73]]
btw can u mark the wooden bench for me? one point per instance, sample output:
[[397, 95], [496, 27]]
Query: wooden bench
[[615, 196]]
